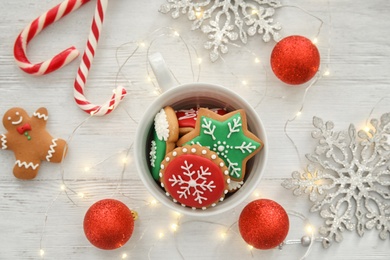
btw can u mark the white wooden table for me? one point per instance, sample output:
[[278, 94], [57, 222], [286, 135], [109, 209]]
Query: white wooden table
[[354, 44]]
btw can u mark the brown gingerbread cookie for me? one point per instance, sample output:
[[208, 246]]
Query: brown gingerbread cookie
[[31, 143]]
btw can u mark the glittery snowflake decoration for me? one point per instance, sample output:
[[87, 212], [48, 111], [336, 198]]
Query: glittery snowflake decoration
[[348, 179], [228, 20], [194, 184]]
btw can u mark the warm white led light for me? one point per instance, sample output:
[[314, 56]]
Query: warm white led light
[[309, 229], [174, 227], [199, 14]]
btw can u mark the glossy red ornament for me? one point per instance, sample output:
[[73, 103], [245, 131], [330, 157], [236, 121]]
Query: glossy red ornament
[[295, 60], [108, 224], [263, 224]]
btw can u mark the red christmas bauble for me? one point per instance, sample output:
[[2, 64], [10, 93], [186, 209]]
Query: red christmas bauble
[[108, 224], [295, 60], [263, 224]]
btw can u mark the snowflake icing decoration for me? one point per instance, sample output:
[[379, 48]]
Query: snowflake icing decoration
[[233, 146], [228, 20], [194, 184], [348, 179]]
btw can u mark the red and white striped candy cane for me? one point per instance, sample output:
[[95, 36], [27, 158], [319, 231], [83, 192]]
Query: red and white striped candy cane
[[34, 28], [85, 66]]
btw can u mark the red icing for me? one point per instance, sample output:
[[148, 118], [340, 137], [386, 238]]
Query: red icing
[[187, 117], [184, 175], [24, 128]]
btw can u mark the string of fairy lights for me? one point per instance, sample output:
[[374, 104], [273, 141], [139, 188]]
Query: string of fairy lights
[[178, 221], [142, 45]]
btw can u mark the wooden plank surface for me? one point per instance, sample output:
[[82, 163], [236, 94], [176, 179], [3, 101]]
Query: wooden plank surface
[[354, 45]]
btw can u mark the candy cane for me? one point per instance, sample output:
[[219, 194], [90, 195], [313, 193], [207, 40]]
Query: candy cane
[[34, 28], [85, 66], [68, 55]]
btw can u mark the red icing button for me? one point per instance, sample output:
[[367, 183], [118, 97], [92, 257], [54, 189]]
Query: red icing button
[[194, 181]]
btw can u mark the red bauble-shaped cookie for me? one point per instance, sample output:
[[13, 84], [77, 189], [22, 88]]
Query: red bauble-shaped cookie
[[194, 176]]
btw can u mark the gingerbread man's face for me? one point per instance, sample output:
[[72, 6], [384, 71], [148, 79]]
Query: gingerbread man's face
[[14, 118]]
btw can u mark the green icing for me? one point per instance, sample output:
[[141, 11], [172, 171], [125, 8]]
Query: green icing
[[27, 135], [227, 139], [157, 154]]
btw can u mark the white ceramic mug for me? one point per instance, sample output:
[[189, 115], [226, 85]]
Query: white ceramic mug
[[187, 96]]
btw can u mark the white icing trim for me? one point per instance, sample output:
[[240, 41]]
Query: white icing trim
[[40, 116], [161, 125], [3, 142], [152, 153], [27, 165], [188, 114], [17, 122], [51, 150], [235, 185]]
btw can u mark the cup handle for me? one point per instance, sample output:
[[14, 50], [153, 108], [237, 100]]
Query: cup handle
[[160, 69]]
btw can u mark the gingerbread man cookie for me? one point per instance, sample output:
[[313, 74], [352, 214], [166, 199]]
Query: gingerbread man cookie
[[28, 138]]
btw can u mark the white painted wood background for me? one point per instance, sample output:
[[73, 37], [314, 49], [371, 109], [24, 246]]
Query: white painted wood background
[[354, 44]]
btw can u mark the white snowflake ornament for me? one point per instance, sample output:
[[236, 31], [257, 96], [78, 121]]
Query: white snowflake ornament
[[228, 20], [348, 179]]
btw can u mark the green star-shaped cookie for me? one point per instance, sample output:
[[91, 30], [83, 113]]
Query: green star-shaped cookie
[[228, 136]]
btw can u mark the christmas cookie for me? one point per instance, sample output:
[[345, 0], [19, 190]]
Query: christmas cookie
[[28, 138], [235, 185], [165, 135], [187, 118], [194, 176], [228, 136]]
